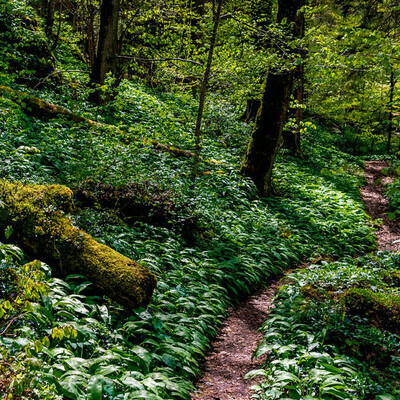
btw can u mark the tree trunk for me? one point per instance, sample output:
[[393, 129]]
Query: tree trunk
[[390, 126], [267, 132], [250, 114], [203, 89], [292, 139], [50, 10], [39, 225], [355, 146], [106, 56], [299, 110], [91, 48]]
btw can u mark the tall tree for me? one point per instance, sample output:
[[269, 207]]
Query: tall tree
[[107, 49], [390, 124], [292, 138], [49, 24], [267, 133], [204, 84]]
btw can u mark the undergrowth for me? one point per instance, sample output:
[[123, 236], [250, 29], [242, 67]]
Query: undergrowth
[[82, 347], [333, 333], [57, 339]]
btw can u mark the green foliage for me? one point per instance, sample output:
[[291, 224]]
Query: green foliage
[[335, 326], [65, 340], [381, 309], [239, 241], [25, 55], [300, 364], [353, 55]]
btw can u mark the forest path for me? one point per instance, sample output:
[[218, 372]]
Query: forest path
[[230, 358], [377, 204]]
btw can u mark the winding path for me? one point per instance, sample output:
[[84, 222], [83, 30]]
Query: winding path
[[376, 204], [230, 358]]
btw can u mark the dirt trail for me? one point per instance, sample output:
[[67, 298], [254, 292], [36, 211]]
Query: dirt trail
[[230, 359], [376, 204]]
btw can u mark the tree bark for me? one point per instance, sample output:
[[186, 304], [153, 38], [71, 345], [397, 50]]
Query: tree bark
[[50, 10], [292, 139], [250, 113], [40, 227], [390, 126], [267, 133], [355, 145], [106, 56], [299, 96], [203, 90]]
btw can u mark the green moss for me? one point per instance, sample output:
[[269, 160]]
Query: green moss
[[392, 278], [381, 309], [36, 213], [315, 292]]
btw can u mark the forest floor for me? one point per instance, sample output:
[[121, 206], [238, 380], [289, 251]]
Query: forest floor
[[231, 356]]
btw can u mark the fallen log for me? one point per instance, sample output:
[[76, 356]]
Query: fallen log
[[144, 201], [36, 214], [41, 108]]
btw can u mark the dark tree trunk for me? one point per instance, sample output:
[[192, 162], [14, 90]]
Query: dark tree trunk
[[390, 126], [198, 7], [106, 57], [91, 48], [287, 12], [50, 10], [292, 139], [355, 146], [267, 133], [57, 36], [372, 146], [299, 110], [251, 110]]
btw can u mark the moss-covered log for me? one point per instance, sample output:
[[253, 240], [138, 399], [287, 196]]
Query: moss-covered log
[[43, 109], [380, 309], [36, 214]]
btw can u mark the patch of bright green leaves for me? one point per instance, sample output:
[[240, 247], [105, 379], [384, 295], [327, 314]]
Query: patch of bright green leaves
[[332, 336]]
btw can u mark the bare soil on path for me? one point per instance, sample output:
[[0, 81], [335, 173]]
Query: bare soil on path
[[231, 356], [376, 204]]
